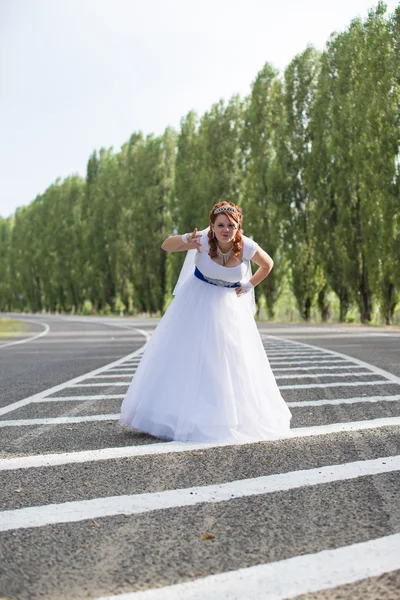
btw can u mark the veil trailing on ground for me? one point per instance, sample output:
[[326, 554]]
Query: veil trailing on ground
[[189, 266]]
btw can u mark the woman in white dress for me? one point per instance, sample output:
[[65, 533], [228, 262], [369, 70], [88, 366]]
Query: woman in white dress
[[204, 375]]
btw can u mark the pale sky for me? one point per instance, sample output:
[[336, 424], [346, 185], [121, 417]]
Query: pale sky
[[78, 75]]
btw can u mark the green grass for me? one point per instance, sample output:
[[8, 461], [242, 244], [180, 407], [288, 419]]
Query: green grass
[[10, 328]]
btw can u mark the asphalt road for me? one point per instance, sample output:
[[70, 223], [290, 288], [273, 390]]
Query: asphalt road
[[90, 510]]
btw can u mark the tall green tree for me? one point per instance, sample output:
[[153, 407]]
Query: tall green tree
[[293, 154], [262, 192]]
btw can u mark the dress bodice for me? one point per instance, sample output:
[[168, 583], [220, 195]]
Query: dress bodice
[[201, 259], [213, 270]]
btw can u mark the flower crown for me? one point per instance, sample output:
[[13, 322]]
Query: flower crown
[[225, 208]]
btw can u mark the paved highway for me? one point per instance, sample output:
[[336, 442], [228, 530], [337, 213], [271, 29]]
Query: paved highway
[[90, 510]]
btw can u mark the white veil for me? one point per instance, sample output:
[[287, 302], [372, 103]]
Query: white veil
[[188, 266]]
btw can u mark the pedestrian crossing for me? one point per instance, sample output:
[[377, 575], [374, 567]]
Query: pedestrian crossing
[[103, 512]]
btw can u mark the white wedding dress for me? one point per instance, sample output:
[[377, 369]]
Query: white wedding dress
[[204, 375]]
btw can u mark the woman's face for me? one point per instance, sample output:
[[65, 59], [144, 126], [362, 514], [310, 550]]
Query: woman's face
[[224, 229]]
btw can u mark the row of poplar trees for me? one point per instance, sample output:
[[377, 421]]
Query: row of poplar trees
[[311, 156]]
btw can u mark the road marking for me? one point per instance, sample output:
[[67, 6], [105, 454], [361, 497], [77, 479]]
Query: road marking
[[295, 354], [361, 363], [306, 376], [286, 578], [132, 362], [58, 420], [106, 384], [299, 403], [67, 384], [125, 369], [336, 367], [50, 460], [80, 510], [30, 339], [116, 375], [333, 384], [78, 398], [358, 399], [330, 361]]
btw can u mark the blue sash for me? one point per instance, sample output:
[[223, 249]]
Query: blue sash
[[219, 282]]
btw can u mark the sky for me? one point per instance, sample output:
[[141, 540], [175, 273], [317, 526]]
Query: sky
[[78, 75]]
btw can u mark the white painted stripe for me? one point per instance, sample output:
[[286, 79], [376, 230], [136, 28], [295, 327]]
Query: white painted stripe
[[334, 384], [295, 354], [128, 374], [71, 512], [336, 367], [295, 350], [62, 386], [133, 362], [122, 369], [330, 361], [286, 578], [292, 349], [282, 387], [106, 384], [49, 460], [341, 427], [333, 401], [305, 376], [79, 398], [58, 420], [29, 339], [129, 367]]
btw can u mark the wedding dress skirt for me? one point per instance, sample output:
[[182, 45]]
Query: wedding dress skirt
[[204, 375]]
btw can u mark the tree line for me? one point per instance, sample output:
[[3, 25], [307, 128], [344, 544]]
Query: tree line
[[311, 155]]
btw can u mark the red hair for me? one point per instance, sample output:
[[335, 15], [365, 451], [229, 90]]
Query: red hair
[[236, 219]]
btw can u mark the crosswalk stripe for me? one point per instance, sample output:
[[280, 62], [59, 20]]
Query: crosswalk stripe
[[58, 420], [107, 384], [71, 512], [334, 384], [121, 369], [335, 367], [282, 387], [127, 374], [321, 402], [286, 578], [305, 375], [295, 354], [328, 360], [50, 460], [79, 398], [356, 400]]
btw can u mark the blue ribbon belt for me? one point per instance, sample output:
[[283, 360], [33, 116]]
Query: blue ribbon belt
[[219, 282]]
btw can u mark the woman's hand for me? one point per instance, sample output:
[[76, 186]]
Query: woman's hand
[[244, 288], [192, 239], [179, 243]]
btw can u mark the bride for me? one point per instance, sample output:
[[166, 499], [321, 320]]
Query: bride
[[204, 375]]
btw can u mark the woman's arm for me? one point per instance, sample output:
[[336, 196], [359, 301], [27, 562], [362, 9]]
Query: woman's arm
[[265, 264], [175, 243]]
